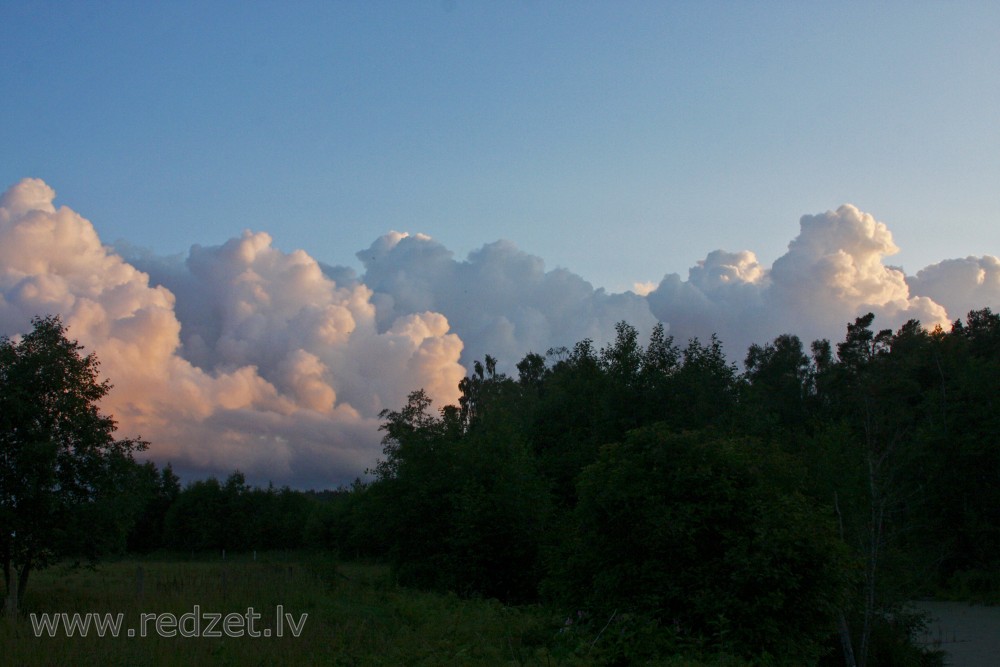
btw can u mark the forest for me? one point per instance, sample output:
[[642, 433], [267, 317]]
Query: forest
[[662, 498]]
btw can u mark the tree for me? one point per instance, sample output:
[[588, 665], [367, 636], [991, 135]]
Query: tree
[[461, 504], [194, 521], [570, 421], [778, 377], [706, 383], [962, 441], [867, 459], [710, 537], [660, 364], [66, 483], [161, 488]]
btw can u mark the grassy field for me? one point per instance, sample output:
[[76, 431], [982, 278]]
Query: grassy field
[[356, 616]]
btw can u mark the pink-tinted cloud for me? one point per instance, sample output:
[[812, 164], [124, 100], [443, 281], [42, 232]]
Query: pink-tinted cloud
[[244, 356], [273, 369]]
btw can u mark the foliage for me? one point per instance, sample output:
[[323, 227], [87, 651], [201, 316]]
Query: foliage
[[462, 502], [824, 489], [67, 485], [209, 515], [707, 535], [778, 387], [161, 489], [963, 409]]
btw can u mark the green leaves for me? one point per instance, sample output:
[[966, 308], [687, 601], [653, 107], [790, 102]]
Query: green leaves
[[64, 478], [692, 528]]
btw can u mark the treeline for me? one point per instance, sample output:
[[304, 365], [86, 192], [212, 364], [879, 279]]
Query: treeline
[[209, 515], [668, 501]]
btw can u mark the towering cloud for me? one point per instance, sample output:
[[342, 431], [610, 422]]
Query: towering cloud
[[244, 356], [833, 271], [241, 357]]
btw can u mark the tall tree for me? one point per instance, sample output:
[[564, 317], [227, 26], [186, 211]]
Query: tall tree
[[706, 383], [462, 506], [778, 386], [65, 479], [966, 457], [161, 488], [866, 456]]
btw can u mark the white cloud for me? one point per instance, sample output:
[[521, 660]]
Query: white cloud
[[833, 271], [244, 356], [500, 300], [240, 357], [960, 285]]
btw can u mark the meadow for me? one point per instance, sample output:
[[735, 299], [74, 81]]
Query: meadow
[[357, 615]]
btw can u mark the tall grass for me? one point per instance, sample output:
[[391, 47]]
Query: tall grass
[[357, 616]]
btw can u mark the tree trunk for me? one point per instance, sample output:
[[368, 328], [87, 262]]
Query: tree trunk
[[11, 603], [845, 642], [22, 585]]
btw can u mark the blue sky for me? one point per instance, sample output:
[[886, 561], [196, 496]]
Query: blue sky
[[620, 140]]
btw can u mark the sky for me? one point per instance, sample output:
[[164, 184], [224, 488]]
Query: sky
[[272, 220]]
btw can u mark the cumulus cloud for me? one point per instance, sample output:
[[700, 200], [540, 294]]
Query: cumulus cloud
[[246, 303], [240, 356], [833, 271], [500, 300], [960, 285], [244, 356], [723, 295]]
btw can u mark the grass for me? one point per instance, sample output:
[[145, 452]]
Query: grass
[[356, 616]]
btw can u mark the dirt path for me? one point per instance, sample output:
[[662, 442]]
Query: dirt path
[[969, 633]]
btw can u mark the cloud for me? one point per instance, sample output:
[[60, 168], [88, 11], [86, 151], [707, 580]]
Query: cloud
[[247, 303], [244, 356], [833, 271], [500, 300], [643, 288], [960, 285], [240, 356]]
